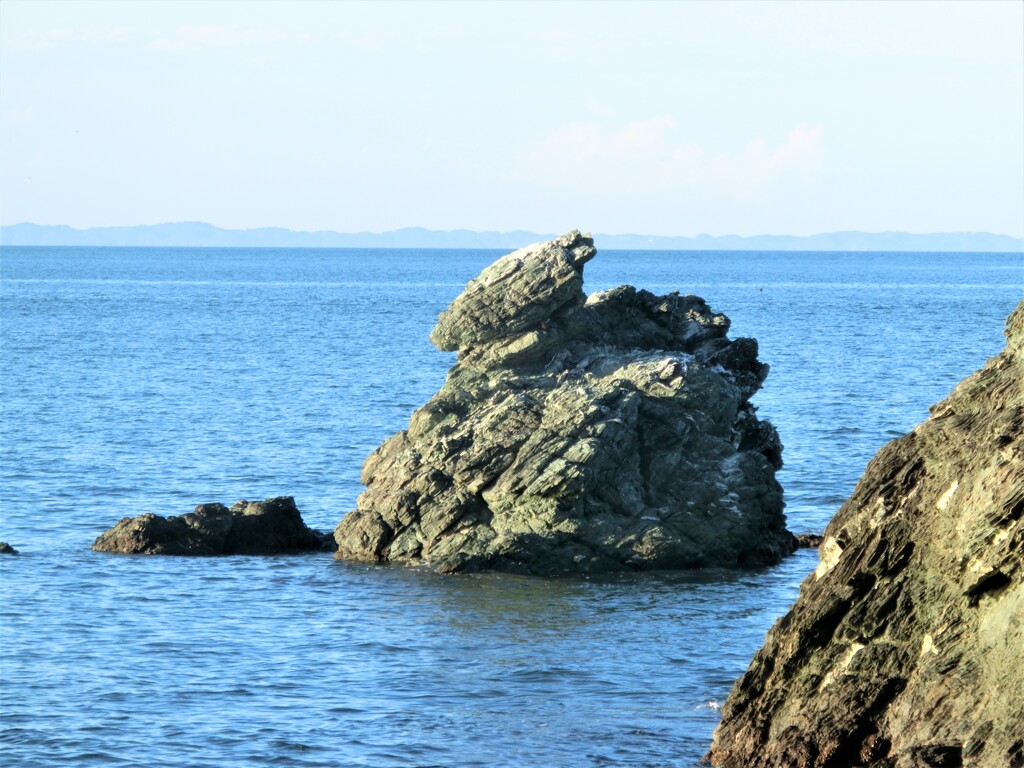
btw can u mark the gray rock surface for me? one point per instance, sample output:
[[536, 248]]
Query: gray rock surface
[[905, 648], [577, 434], [7, 549], [248, 528]]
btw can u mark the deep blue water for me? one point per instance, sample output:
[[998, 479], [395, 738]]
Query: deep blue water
[[150, 380]]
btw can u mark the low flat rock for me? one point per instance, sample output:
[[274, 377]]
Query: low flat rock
[[905, 648], [269, 527], [577, 434]]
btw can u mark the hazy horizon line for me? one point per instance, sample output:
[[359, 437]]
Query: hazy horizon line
[[204, 234], [417, 227]]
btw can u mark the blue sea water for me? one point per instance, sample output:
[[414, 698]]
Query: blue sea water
[[150, 380]]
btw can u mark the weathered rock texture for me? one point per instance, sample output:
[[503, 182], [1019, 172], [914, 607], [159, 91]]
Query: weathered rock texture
[[247, 528], [906, 646], [577, 435]]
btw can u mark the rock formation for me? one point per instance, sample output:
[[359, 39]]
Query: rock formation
[[905, 648], [7, 549], [248, 528], [577, 434]]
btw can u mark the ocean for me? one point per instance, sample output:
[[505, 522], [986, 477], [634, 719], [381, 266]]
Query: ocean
[[152, 380]]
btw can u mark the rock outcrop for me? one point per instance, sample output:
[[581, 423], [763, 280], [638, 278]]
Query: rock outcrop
[[7, 549], [905, 648], [577, 434], [266, 527]]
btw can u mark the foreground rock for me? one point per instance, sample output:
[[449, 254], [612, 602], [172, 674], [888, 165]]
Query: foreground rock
[[7, 549], [577, 435], [905, 648], [266, 527]]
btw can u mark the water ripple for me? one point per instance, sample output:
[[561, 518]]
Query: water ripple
[[150, 381]]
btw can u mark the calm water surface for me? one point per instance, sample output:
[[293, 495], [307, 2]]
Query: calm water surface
[[150, 380]]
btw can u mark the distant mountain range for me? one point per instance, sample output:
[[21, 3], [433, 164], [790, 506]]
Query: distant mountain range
[[198, 234]]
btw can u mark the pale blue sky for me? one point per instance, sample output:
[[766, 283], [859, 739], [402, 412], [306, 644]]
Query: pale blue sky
[[661, 118]]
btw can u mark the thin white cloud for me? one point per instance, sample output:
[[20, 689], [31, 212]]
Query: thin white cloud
[[357, 36], [651, 155], [754, 170], [18, 115], [189, 38], [63, 37]]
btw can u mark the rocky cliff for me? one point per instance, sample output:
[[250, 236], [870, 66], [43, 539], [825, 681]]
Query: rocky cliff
[[577, 434], [905, 648]]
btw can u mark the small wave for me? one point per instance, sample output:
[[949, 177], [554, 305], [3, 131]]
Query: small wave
[[846, 431]]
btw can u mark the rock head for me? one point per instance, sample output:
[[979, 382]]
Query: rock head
[[266, 527], [577, 435], [905, 648]]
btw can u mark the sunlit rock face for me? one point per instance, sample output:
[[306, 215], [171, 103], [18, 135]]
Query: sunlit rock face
[[905, 648], [577, 435]]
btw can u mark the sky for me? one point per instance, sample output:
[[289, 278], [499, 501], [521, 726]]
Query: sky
[[655, 118]]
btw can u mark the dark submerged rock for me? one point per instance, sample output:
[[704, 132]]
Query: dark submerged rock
[[248, 528], [807, 540], [577, 434], [7, 549], [905, 648]]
